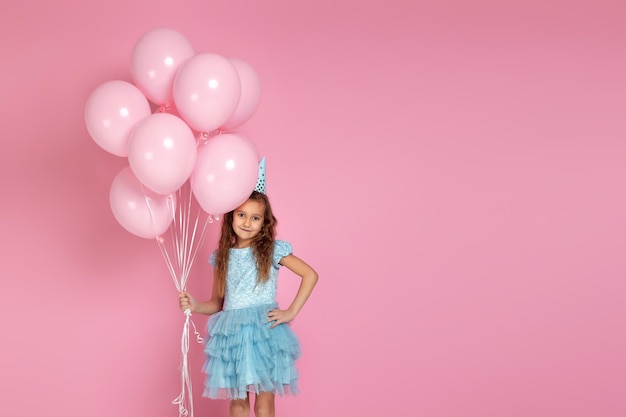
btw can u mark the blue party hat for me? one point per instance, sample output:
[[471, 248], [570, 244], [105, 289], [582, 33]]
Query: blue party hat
[[260, 182]]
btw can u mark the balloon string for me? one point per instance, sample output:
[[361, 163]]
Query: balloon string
[[191, 237], [196, 249], [199, 338], [175, 233], [186, 390], [185, 216], [162, 247], [186, 242], [169, 264]]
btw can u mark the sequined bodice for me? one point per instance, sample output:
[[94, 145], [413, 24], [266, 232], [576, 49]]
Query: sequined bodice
[[242, 286]]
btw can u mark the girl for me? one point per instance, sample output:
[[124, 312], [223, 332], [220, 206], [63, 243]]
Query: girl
[[250, 347]]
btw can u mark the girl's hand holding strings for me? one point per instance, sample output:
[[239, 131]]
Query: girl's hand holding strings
[[186, 301], [279, 317]]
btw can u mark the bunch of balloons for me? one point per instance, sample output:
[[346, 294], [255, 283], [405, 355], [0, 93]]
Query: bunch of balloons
[[184, 148], [198, 98]]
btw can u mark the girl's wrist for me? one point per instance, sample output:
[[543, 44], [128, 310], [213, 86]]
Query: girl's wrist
[[292, 311]]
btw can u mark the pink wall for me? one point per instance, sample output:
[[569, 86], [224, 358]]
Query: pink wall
[[455, 172]]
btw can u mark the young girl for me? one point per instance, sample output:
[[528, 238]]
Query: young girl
[[250, 346]]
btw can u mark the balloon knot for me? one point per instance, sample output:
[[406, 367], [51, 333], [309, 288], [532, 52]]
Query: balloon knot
[[164, 108]]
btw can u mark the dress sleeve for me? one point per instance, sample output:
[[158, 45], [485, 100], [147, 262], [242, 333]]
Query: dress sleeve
[[212, 259], [281, 249]]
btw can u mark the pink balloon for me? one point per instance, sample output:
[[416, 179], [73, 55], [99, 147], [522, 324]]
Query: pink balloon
[[111, 111], [226, 173], [250, 94], [155, 58], [162, 152], [206, 91], [139, 210]]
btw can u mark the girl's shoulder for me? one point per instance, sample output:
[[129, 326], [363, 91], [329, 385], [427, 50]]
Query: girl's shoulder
[[282, 248], [282, 245]]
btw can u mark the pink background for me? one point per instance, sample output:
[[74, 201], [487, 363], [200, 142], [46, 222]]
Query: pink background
[[454, 170]]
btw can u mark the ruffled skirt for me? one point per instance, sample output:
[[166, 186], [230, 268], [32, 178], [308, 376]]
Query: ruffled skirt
[[245, 355]]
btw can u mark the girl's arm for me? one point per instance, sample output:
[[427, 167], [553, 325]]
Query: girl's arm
[[215, 304], [309, 279]]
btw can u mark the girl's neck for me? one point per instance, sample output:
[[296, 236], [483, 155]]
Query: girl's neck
[[241, 245]]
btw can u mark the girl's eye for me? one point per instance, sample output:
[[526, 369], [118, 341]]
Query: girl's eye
[[240, 214], [256, 218]]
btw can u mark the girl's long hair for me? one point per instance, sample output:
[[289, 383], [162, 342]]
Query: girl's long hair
[[262, 244]]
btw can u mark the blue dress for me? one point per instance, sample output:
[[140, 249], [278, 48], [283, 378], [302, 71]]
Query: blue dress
[[243, 353]]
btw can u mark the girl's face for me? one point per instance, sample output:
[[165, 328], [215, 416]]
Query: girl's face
[[248, 221]]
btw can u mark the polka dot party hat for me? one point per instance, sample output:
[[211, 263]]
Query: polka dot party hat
[[260, 183]]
